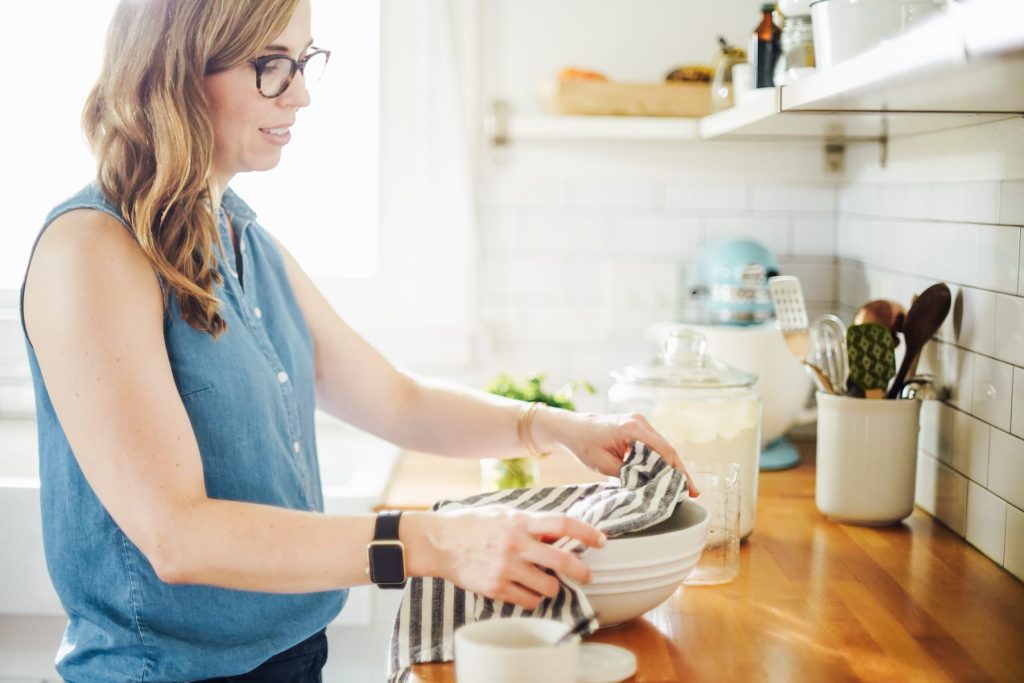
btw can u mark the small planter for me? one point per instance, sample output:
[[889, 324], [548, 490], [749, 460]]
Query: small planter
[[509, 473], [866, 459]]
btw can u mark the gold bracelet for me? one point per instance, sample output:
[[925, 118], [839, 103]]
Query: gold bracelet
[[524, 427]]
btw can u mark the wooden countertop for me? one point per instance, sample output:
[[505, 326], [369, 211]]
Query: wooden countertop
[[814, 600]]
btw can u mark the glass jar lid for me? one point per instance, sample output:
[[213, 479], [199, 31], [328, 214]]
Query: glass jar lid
[[684, 362]]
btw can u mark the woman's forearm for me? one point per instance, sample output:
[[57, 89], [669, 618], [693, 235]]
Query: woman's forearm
[[445, 418], [248, 546]]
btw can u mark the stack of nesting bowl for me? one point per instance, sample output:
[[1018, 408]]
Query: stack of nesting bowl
[[637, 571]]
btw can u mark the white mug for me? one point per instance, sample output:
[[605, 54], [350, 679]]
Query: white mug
[[515, 650]]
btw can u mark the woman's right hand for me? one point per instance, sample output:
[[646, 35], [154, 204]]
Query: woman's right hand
[[502, 553]]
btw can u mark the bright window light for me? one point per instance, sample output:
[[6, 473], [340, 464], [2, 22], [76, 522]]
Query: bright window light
[[321, 201]]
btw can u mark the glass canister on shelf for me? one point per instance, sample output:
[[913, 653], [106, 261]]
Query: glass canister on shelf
[[796, 60], [723, 89], [707, 410]]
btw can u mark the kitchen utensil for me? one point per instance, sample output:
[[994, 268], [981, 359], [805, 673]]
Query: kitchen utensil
[[923, 319], [828, 350], [846, 28], [704, 408], [722, 83], [719, 486], [923, 388], [872, 362], [866, 459], [791, 313], [818, 376], [884, 311]]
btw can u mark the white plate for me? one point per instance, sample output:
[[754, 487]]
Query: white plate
[[601, 663]]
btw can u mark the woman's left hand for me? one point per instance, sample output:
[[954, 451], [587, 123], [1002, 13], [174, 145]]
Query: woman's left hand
[[601, 442]]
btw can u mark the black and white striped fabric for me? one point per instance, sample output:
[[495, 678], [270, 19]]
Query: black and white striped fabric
[[432, 608]]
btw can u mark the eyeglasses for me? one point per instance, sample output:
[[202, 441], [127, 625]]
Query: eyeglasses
[[274, 73]]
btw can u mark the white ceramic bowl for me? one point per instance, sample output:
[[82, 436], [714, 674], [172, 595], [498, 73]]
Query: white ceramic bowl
[[676, 537], [636, 572], [616, 608], [648, 573], [846, 28]]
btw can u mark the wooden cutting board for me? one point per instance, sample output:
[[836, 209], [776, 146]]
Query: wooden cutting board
[[600, 98]]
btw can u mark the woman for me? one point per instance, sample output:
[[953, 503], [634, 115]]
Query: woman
[[178, 353]]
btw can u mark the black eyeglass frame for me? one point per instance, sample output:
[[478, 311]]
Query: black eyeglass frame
[[260, 63]]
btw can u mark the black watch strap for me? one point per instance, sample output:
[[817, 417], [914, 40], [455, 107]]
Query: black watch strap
[[386, 554], [386, 528]]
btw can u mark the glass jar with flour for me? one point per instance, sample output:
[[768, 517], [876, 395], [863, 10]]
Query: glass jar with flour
[[707, 410]]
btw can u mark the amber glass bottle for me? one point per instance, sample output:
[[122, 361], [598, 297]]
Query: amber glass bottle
[[764, 48]]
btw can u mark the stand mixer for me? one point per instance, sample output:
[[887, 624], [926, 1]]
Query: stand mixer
[[729, 303]]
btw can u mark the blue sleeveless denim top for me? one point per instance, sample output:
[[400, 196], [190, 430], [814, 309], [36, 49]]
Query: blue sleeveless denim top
[[250, 398]]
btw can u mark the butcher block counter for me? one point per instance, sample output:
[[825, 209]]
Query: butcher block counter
[[814, 600]]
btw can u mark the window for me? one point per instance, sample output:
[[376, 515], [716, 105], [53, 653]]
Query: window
[[321, 202]]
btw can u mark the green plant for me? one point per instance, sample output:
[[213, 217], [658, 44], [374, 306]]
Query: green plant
[[511, 473]]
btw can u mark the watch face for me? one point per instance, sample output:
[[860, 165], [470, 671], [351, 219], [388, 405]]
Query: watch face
[[387, 562]]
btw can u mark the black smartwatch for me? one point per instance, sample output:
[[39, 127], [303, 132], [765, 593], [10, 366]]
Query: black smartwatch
[[386, 554]]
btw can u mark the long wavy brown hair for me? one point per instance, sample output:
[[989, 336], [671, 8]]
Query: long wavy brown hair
[[147, 121]]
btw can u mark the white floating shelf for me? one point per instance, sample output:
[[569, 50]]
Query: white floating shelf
[[547, 127], [940, 76]]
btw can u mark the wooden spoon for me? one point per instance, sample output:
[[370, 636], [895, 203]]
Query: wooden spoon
[[923, 319]]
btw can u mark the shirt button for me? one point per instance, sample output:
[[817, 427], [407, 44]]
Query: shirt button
[[282, 377], [296, 447], [257, 312], [242, 246]]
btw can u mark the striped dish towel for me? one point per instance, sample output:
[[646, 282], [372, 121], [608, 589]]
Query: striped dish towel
[[432, 608]]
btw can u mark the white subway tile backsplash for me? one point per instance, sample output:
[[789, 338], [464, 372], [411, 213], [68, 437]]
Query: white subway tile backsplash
[[971, 447], [813, 236], [522, 193], [615, 194], [938, 430], [817, 277], [793, 197], [976, 202], [993, 391], [1013, 558], [720, 196], [986, 521], [953, 369], [974, 317], [1011, 202], [772, 232], [1009, 329], [1006, 467], [1017, 408], [942, 492], [997, 254], [656, 237], [1020, 269], [565, 233]]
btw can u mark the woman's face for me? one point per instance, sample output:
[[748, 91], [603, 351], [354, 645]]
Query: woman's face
[[250, 130]]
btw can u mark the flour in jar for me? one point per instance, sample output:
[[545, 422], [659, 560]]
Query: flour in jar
[[717, 431]]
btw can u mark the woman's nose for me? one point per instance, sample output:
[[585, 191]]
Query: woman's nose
[[297, 95]]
